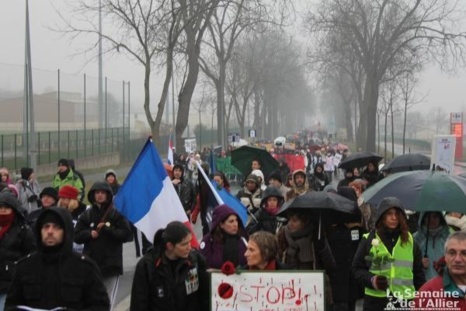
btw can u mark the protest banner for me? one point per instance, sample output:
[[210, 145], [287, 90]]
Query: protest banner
[[268, 291]]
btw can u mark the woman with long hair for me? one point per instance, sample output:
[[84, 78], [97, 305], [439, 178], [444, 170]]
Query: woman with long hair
[[171, 276], [388, 259]]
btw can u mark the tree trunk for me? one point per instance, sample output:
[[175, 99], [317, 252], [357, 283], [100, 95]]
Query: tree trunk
[[220, 86]]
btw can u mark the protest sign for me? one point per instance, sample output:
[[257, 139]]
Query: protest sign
[[268, 291]]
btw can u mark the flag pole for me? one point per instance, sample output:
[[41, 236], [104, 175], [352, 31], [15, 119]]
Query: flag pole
[[216, 195]]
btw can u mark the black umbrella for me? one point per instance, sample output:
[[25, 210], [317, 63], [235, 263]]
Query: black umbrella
[[359, 159], [326, 207], [408, 162], [242, 157], [321, 202]]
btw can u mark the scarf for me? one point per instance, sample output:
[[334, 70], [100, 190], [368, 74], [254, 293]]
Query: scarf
[[5, 223], [271, 266], [63, 174], [230, 248], [300, 247], [272, 211]]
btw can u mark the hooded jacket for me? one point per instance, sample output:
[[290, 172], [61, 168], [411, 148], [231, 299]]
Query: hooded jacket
[[213, 249], [250, 199], [318, 181], [360, 266], [296, 191], [59, 278], [432, 241], [17, 242], [115, 186], [262, 219], [107, 248]]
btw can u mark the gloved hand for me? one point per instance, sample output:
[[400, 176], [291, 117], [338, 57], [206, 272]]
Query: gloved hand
[[380, 282]]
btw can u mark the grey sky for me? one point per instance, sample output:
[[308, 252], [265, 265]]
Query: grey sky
[[52, 52]]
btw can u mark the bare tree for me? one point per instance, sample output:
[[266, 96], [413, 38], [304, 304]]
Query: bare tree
[[438, 120], [385, 35]]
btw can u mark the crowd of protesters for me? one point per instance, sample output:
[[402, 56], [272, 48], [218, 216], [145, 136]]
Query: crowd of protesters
[[56, 251]]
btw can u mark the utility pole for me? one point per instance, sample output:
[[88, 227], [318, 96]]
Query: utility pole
[[101, 74]]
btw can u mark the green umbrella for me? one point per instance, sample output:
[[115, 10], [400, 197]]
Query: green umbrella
[[422, 191], [242, 157]]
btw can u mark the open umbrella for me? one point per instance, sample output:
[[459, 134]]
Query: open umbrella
[[318, 201], [422, 191], [359, 159], [408, 162], [242, 157]]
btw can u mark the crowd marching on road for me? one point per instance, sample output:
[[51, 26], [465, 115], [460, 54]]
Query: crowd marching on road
[[62, 246]]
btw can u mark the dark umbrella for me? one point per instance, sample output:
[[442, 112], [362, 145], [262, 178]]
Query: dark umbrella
[[242, 157], [321, 202], [324, 205], [359, 159], [408, 162], [422, 191]]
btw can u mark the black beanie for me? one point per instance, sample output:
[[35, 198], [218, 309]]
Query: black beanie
[[26, 172], [276, 175], [52, 217], [51, 192], [64, 162]]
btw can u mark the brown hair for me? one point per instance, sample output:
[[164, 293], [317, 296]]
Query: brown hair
[[267, 244], [403, 225]]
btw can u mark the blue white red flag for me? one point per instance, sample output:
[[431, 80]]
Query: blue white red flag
[[170, 151], [147, 197], [218, 196]]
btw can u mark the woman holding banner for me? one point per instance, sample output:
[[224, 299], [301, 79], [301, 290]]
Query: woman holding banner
[[262, 252]]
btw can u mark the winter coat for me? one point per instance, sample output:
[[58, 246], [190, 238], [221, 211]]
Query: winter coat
[[263, 220], [186, 193], [17, 242], [47, 280], [71, 179], [212, 246], [435, 240], [297, 191], [456, 223], [157, 288], [107, 248], [318, 181], [452, 295], [28, 193], [360, 266]]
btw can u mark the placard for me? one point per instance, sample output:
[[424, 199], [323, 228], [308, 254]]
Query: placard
[[443, 151], [281, 290]]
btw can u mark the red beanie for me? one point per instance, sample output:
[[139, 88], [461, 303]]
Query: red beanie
[[68, 192]]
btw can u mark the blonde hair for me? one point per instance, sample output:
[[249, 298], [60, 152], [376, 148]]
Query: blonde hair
[[72, 205]]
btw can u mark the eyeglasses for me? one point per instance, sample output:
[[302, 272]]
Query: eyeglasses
[[452, 254]]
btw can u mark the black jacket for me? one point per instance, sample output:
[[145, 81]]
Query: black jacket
[[107, 248], [17, 242], [186, 193], [157, 288], [62, 278]]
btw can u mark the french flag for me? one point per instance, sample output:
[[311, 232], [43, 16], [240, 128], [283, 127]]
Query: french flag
[[147, 197], [170, 159]]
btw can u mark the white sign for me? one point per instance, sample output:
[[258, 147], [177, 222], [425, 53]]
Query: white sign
[[443, 151], [263, 291], [337, 159], [456, 117], [190, 145], [252, 133]]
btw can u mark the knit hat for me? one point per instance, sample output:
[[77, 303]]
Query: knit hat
[[26, 172], [276, 175], [52, 218], [63, 162], [68, 192], [110, 172], [51, 192], [253, 178]]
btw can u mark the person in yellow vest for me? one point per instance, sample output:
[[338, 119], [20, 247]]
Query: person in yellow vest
[[388, 262]]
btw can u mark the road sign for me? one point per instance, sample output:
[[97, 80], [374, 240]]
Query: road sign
[[252, 133]]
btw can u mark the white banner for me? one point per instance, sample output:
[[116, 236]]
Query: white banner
[[443, 152], [268, 290]]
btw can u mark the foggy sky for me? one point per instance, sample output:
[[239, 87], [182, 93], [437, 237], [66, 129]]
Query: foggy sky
[[51, 51]]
